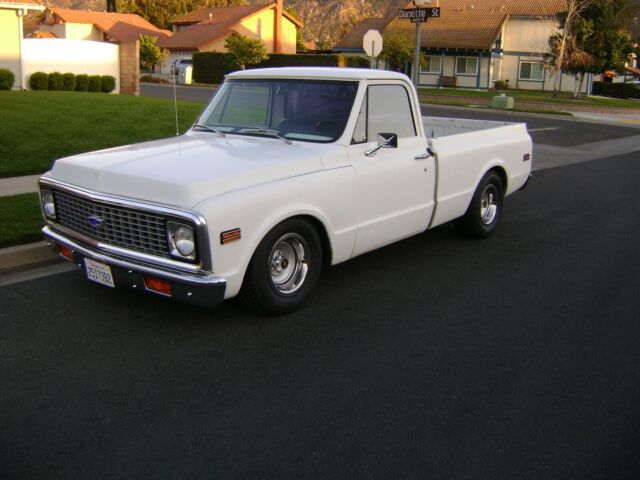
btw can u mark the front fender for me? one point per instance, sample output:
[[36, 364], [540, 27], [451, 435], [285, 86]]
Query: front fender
[[328, 196]]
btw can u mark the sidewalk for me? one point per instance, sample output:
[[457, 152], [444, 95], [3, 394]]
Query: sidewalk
[[18, 185]]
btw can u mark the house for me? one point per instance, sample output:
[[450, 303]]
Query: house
[[475, 43], [207, 29], [11, 36], [96, 26]]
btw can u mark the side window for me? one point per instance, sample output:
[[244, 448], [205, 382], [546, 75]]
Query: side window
[[389, 111], [360, 132]]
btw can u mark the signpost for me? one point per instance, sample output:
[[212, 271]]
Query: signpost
[[418, 16], [372, 44]]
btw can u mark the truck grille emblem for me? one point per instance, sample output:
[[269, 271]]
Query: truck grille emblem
[[94, 221]]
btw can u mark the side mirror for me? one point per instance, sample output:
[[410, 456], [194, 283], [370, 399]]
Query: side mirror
[[385, 140]]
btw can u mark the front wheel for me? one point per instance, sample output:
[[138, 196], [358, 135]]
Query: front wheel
[[284, 269], [484, 212]]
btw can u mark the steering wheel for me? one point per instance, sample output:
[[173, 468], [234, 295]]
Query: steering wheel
[[326, 126]]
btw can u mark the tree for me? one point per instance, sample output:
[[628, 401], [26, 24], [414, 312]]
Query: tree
[[245, 51], [397, 49], [150, 53], [111, 6]]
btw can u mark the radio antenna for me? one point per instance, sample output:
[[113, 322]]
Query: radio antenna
[[175, 96]]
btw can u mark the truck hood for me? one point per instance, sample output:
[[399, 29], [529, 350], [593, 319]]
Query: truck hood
[[185, 170]]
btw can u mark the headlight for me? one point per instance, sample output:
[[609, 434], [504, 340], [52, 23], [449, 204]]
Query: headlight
[[182, 243], [48, 207]]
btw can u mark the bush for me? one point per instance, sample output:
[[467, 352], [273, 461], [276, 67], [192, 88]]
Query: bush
[[500, 85], [95, 83], [615, 90], [82, 83], [355, 61], [7, 79], [55, 81], [108, 83], [68, 82], [39, 81], [304, 60]]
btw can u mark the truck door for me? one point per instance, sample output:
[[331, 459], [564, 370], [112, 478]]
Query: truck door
[[395, 185]]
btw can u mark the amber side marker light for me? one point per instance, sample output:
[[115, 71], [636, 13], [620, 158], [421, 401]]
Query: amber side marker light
[[230, 236], [65, 252], [159, 286]]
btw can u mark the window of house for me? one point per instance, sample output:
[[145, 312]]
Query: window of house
[[531, 71], [466, 66], [432, 64]]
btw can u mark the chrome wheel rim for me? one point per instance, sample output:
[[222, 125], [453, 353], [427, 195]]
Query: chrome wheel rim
[[288, 263], [488, 205]]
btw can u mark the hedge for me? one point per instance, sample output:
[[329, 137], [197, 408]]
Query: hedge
[[108, 83], [615, 90], [211, 67], [55, 81], [82, 83], [7, 79], [68, 82], [95, 83], [39, 81]]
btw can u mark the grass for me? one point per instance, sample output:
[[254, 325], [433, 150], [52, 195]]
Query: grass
[[20, 219], [563, 98], [39, 127]]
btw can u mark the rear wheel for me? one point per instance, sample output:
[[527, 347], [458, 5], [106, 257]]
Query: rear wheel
[[483, 215], [284, 269]]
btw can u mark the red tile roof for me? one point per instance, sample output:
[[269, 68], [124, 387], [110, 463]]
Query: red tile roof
[[121, 27], [227, 14], [353, 38]]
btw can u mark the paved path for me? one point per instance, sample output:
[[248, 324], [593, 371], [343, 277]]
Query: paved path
[[17, 185]]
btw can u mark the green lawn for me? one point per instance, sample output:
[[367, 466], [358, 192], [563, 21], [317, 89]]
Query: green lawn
[[39, 127], [21, 219], [529, 96]]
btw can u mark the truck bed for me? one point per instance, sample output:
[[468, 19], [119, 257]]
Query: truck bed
[[435, 127]]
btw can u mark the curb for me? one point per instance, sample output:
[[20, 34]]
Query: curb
[[31, 255]]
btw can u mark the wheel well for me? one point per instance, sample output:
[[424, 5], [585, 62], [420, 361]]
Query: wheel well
[[503, 176], [324, 237]]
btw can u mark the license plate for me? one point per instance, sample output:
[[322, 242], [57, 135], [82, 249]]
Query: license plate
[[99, 273]]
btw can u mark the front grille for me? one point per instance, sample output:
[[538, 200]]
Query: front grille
[[123, 227]]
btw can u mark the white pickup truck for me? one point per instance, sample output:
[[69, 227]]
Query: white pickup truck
[[285, 172]]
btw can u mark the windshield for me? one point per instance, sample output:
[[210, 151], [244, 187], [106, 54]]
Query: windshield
[[307, 110]]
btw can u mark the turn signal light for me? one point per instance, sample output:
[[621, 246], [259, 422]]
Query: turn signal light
[[65, 252], [159, 286]]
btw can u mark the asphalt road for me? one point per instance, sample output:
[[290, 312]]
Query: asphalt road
[[436, 357]]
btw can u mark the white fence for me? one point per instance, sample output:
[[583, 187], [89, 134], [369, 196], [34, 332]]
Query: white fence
[[76, 56]]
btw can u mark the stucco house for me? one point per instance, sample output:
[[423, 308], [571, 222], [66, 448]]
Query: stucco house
[[95, 26], [207, 29], [477, 42], [11, 36]]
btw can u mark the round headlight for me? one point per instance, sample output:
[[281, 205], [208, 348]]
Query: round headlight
[[183, 239], [48, 207]]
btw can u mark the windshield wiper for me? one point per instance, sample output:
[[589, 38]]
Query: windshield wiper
[[266, 131], [210, 129]]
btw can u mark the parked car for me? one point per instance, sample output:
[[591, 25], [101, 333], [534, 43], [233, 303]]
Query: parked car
[[286, 171]]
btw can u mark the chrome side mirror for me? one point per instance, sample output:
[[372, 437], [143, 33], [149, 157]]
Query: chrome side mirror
[[385, 140]]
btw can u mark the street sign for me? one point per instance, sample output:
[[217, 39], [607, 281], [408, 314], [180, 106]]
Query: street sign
[[372, 43], [418, 15]]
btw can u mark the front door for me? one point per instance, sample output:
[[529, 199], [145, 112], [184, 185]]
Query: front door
[[395, 185]]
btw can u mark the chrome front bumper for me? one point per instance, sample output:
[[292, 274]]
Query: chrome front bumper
[[198, 289]]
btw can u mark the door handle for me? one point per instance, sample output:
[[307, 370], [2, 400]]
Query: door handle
[[422, 156]]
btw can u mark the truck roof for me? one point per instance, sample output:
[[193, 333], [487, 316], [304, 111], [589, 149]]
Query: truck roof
[[322, 73]]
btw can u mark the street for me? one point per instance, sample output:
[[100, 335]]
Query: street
[[436, 357]]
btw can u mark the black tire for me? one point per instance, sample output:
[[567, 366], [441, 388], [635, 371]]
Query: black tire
[[485, 210], [284, 269]]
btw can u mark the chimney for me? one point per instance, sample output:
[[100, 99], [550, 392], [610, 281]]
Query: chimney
[[277, 37], [210, 17]]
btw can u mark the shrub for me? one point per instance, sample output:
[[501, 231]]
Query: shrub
[[501, 85], [615, 90], [55, 81], [150, 79], [211, 67], [108, 83], [39, 81], [304, 60], [68, 82], [7, 79], [95, 83], [355, 61], [82, 83]]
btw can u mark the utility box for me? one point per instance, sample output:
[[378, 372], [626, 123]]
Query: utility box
[[184, 75], [502, 101]]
